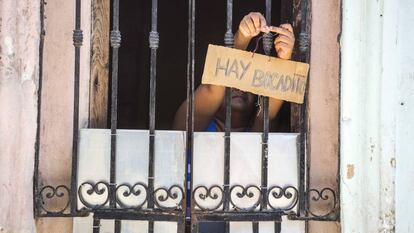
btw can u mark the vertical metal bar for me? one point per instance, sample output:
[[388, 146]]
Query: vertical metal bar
[[228, 37], [286, 11], [255, 226], [77, 42], [36, 198], [304, 156], [265, 136], [303, 27], [228, 42], [267, 45], [151, 226], [190, 107], [96, 225], [227, 155], [303, 113], [268, 12], [278, 227], [302, 170], [117, 226], [297, 116], [267, 37], [153, 44], [115, 44]]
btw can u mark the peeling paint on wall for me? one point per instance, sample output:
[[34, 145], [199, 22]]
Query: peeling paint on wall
[[350, 171], [387, 222], [393, 162], [19, 69], [8, 46]]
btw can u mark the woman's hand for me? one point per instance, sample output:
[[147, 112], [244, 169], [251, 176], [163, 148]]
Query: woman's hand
[[252, 24], [285, 41]]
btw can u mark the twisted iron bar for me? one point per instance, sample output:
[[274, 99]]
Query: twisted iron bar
[[162, 194], [94, 189], [202, 192], [289, 193], [128, 190], [268, 43], [242, 192], [50, 192]]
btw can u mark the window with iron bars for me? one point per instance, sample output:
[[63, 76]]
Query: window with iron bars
[[151, 208]]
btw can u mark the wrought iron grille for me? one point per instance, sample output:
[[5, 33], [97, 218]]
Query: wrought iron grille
[[113, 207]]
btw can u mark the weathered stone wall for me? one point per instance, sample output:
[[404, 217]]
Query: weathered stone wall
[[20, 26], [19, 74], [57, 98], [324, 101]]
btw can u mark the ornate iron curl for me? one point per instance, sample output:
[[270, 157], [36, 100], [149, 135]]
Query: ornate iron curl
[[131, 190], [175, 192], [288, 192], [322, 195], [214, 192], [50, 193], [245, 192], [94, 188]]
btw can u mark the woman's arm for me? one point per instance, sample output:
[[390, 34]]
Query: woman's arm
[[207, 100]]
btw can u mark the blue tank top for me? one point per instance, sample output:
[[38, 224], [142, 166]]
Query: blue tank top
[[212, 127]]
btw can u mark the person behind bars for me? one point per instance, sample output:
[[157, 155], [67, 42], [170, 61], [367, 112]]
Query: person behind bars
[[209, 107]]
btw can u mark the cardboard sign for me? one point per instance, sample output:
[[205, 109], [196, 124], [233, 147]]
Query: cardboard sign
[[255, 73]]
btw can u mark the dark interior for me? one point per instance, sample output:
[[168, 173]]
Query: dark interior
[[134, 56]]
